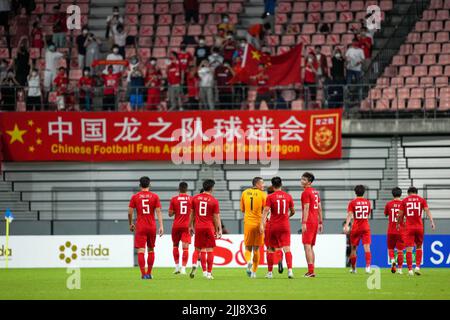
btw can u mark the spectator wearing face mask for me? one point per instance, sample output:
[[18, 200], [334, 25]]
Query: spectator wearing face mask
[[192, 82], [61, 83], [8, 89], [153, 81], [239, 88], [206, 75], [22, 62], [37, 36], [240, 50], [263, 92], [113, 20], [354, 58], [335, 88], [92, 45], [134, 64], [337, 72], [59, 21], [229, 47], [226, 24], [120, 37], [219, 38], [215, 59], [202, 51], [34, 101], [81, 40], [136, 86], [365, 43], [322, 70], [111, 82], [191, 10], [174, 82], [115, 56], [185, 59], [223, 74], [309, 81], [52, 58], [86, 90]]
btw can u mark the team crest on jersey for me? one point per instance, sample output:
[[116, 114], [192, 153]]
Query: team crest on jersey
[[324, 133]]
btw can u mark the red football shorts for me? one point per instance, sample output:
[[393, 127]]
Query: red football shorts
[[181, 234], [357, 235], [279, 238], [145, 236], [204, 238], [395, 240], [414, 237], [267, 235], [309, 237]]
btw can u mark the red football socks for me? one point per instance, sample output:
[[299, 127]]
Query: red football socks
[[368, 256], [185, 257], [210, 260], [176, 255], [150, 261], [270, 261], [203, 260], [353, 261], [288, 256], [194, 257], [391, 254], [141, 262], [419, 254], [311, 267], [409, 260], [279, 254], [400, 259]]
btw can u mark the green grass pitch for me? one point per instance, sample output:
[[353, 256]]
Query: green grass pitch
[[229, 284]]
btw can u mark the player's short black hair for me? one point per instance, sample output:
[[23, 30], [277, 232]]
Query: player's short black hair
[[183, 186], [276, 182], [360, 190], [396, 192], [144, 182], [202, 190], [309, 176], [256, 180], [208, 184], [270, 190], [412, 190]]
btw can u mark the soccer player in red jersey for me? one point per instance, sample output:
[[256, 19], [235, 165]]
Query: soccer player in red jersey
[[395, 238], [180, 207], [278, 256], [205, 223], [281, 207], [145, 203], [411, 209], [359, 209], [312, 221]]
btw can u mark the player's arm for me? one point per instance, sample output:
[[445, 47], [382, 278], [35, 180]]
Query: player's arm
[[217, 225], [262, 225], [320, 218], [291, 207], [160, 220], [427, 211], [130, 219], [191, 222], [242, 203], [399, 218], [171, 211], [347, 221], [305, 213]]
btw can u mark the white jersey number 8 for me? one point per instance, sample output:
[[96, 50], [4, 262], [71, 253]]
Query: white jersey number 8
[[202, 208]]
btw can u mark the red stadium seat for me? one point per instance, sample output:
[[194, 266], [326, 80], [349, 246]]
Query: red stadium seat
[[420, 48], [417, 93], [328, 6], [159, 53], [163, 31], [346, 16], [309, 28], [398, 60], [383, 82], [144, 53], [333, 39], [403, 93], [445, 48], [273, 40], [206, 8], [406, 49], [426, 81], [434, 48], [428, 37], [430, 104], [179, 19], [436, 4], [414, 104], [447, 4], [390, 71], [357, 6], [299, 6], [318, 39], [162, 8], [131, 19], [281, 18], [287, 40], [161, 41], [442, 15], [210, 30], [146, 31], [221, 7], [194, 30], [389, 93], [442, 37], [131, 8], [375, 94], [175, 41], [313, 17], [435, 71], [436, 26], [305, 39], [420, 71], [342, 6], [398, 104], [235, 7], [176, 8], [145, 42], [178, 30], [441, 81], [382, 105], [411, 82], [444, 104], [146, 8], [329, 17], [386, 5], [413, 37], [421, 26], [284, 7], [429, 15], [429, 59], [314, 6], [447, 71], [413, 59], [347, 38], [298, 18], [165, 19], [447, 25]]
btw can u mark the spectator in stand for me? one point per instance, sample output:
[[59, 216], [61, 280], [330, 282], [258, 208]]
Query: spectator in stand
[[269, 13], [134, 64], [185, 60], [239, 52], [223, 74], [293, 29], [120, 37], [263, 92], [206, 75], [8, 89], [174, 82], [335, 89], [86, 90], [324, 27], [256, 33], [365, 43], [81, 40], [22, 26], [116, 56], [59, 21], [229, 47], [52, 58], [111, 81], [202, 51], [215, 59], [61, 83], [37, 36], [322, 70], [34, 93], [136, 86], [226, 24], [192, 82], [5, 9], [191, 10], [92, 45], [309, 81], [219, 38], [113, 21], [354, 58], [337, 73], [22, 62], [239, 88], [153, 81]]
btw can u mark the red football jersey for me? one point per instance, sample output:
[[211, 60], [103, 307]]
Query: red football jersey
[[204, 206], [181, 205], [279, 203], [361, 212], [412, 207], [111, 84], [173, 74], [311, 196], [145, 203], [391, 210], [85, 82], [61, 82], [184, 59]]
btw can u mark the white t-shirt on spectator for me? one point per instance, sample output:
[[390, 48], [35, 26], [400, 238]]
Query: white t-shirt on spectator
[[120, 39], [353, 56], [52, 59], [206, 77], [34, 89], [112, 56]]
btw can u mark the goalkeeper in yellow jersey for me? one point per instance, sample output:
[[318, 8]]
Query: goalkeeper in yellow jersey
[[252, 205]]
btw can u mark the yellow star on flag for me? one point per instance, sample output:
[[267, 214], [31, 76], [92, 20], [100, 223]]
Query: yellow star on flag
[[38, 130], [256, 55], [38, 141], [30, 123], [16, 134], [31, 149]]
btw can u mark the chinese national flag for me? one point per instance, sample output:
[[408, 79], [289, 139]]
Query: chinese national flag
[[283, 69]]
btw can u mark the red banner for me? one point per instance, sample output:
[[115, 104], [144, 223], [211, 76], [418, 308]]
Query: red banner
[[128, 136]]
